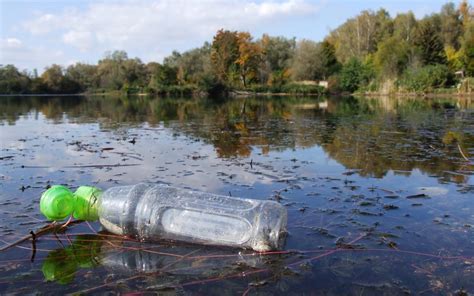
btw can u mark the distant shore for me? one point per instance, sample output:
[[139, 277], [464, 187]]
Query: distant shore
[[414, 94], [241, 94]]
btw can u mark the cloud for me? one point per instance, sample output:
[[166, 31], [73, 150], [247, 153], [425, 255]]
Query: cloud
[[11, 43], [80, 39], [148, 27], [14, 51], [42, 24]]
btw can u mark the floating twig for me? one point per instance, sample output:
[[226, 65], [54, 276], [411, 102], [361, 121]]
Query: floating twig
[[462, 153], [34, 235]]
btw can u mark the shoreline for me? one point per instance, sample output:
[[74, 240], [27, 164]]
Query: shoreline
[[415, 95], [243, 94]]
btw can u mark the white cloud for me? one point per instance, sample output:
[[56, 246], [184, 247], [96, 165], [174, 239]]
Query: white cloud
[[81, 39], [151, 26], [13, 51], [43, 24], [12, 43], [286, 8]]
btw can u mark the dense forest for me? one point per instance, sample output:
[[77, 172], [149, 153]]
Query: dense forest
[[372, 52]]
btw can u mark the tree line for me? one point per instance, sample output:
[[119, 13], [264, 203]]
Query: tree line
[[370, 52]]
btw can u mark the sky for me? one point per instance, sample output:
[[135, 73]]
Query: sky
[[35, 34]]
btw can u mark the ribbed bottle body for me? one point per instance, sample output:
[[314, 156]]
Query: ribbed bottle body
[[151, 212]]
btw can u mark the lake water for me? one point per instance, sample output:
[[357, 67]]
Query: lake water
[[379, 192]]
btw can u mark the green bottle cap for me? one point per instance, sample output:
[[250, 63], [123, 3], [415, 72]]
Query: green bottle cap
[[58, 203], [87, 198]]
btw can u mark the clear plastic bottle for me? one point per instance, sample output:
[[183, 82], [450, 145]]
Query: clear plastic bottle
[[155, 211]]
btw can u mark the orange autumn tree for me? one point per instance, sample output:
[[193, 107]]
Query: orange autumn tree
[[235, 57], [224, 53], [249, 58]]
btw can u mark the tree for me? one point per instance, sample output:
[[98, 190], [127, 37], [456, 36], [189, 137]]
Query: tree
[[56, 82], [193, 65], [429, 42], [359, 36], [135, 72], [224, 53], [84, 75], [330, 65], [466, 52], [465, 13], [160, 75], [468, 49], [404, 26], [249, 57], [307, 63], [235, 58], [277, 55], [451, 25], [392, 57], [111, 71], [13, 81], [455, 58]]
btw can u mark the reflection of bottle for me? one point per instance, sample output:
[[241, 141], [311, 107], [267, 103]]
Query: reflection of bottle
[[151, 212], [61, 265], [89, 251]]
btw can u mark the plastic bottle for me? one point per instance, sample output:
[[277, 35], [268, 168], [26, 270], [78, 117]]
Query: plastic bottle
[[155, 211]]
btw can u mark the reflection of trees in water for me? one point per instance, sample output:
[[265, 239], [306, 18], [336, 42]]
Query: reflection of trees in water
[[372, 135], [12, 108]]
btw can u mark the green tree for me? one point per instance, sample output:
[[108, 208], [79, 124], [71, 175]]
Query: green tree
[[429, 42], [359, 36], [84, 75], [135, 72], [111, 71], [277, 55], [354, 74], [451, 25], [160, 76], [330, 64], [307, 63], [193, 66], [404, 26], [392, 57], [468, 49], [13, 81], [56, 82]]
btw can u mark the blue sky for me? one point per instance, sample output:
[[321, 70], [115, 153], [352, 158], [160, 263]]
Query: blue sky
[[35, 34]]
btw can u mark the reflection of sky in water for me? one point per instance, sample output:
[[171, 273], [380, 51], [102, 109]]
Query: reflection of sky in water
[[326, 196], [160, 155]]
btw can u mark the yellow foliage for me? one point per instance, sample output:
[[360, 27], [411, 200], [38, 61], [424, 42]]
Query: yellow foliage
[[454, 58]]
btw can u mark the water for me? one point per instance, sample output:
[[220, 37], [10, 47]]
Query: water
[[378, 193]]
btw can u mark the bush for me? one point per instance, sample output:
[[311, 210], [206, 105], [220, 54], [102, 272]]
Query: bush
[[354, 75], [294, 88], [175, 90], [290, 88], [425, 79], [466, 85]]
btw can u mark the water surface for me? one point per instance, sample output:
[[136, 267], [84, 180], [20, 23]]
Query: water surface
[[379, 192]]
